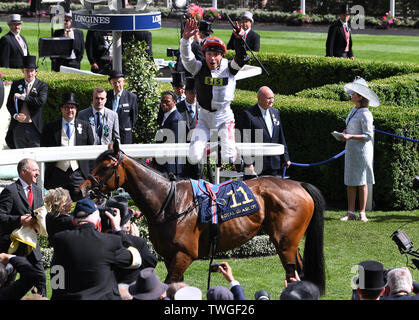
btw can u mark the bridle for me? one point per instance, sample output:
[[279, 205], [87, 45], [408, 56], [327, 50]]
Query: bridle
[[97, 186]]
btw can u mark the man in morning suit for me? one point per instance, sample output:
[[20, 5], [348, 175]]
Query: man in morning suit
[[124, 103], [103, 121], [13, 46], [67, 131], [339, 36], [99, 51], [88, 257], [189, 110], [17, 202], [251, 37], [263, 116], [77, 53], [169, 132], [26, 99]]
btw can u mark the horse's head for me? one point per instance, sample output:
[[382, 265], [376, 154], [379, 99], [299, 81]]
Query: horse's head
[[108, 174]]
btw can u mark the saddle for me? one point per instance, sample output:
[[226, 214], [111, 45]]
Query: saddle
[[224, 201]]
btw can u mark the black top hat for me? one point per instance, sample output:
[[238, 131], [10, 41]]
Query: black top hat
[[205, 27], [190, 84], [345, 9], [115, 74], [370, 275], [178, 79], [68, 98], [29, 62], [121, 203]]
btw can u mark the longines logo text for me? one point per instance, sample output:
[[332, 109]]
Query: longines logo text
[[92, 20]]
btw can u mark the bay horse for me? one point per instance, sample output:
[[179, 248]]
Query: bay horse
[[288, 210]]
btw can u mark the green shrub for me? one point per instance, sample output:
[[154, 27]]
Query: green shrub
[[289, 73], [401, 91]]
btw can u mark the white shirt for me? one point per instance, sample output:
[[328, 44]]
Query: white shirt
[[268, 120]]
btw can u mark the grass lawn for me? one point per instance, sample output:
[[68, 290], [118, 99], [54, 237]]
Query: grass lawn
[[372, 47], [345, 245]]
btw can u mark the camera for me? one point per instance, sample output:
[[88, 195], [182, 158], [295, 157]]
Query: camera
[[405, 245], [172, 52], [104, 220], [214, 267]]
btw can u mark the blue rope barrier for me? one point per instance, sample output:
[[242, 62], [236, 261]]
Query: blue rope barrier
[[397, 136]]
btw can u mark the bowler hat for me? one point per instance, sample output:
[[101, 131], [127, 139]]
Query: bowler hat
[[121, 203], [190, 84], [205, 27], [84, 208], [178, 79], [29, 62], [370, 275], [115, 74], [68, 98], [148, 286], [345, 9], [247, 15], [14, 18]]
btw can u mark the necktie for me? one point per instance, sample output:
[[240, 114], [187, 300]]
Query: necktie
[[30, 196], [68, 33], [68, 131], [268, 121], [190, 110], [99, 125], [21, 43], [115, 103]]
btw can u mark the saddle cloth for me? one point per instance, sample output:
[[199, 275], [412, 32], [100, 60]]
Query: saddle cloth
[[223, 201]]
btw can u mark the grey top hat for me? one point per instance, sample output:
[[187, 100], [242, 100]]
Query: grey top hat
[[14, 18], [69, 14], [247, 15], [148, 286]]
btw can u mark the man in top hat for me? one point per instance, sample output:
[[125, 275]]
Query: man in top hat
[[86, 272], [13, 46], [205, 30], [339, 36], [178, 85], [216, 84], [26, 98], [251, 37], [17, 203], [77, 53], [124, 103], [103, 121], [370, 283], [67, 131]]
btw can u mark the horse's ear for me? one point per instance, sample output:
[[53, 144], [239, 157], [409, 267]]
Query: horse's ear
[[115, 144]]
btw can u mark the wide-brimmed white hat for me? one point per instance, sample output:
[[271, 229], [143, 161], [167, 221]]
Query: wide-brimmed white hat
[[360, 86]]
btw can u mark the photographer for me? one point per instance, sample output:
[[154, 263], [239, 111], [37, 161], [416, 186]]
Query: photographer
[[29, 276], [236, 291], [400, 283], [89, 272]]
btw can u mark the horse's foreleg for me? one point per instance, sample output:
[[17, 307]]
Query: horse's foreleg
[[177, 266]]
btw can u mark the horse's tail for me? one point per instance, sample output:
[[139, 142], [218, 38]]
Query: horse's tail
[[313, 261]]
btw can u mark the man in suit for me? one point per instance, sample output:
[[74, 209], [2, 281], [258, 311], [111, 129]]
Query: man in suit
[[262, 117], [13, 46], [77, 53], [251, 37], [26, 98], [17, 203], [67, 131], [178, 85], [88, 273], [99, 51], [169, 132], [189, 110], [339, 36], [103, 121], [124, 103]]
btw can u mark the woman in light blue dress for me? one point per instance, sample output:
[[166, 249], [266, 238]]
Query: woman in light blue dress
[[359, 137]]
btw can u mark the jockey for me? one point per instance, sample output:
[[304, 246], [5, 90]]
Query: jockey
[[215, 83]]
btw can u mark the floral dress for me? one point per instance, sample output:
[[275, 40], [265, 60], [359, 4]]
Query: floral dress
[[359, 153]]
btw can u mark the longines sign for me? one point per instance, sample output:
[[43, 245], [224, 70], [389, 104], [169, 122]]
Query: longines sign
[[117, 22]]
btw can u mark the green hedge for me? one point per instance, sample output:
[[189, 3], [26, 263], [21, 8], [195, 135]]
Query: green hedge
[[401, 91], [289, 74], [307, 125]]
